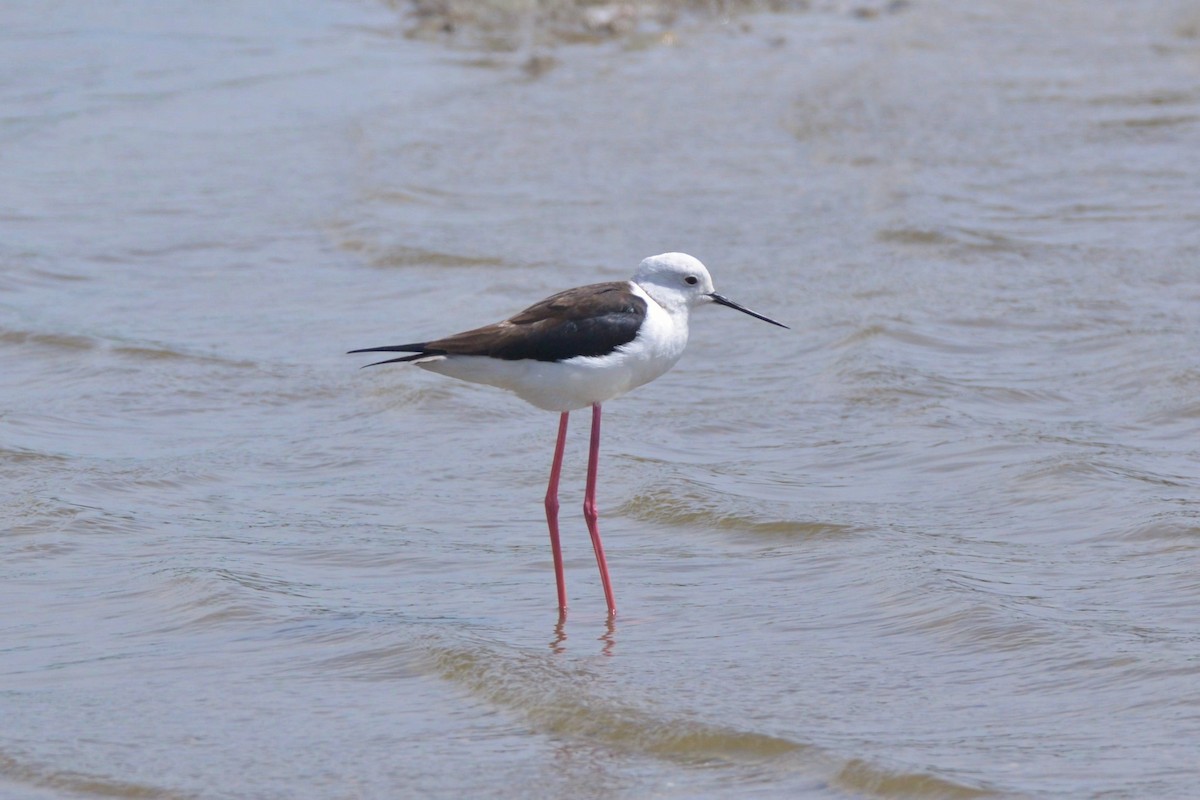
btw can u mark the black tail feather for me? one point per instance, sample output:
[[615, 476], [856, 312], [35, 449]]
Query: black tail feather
[[418, 347], [418, 350], [394, 360]]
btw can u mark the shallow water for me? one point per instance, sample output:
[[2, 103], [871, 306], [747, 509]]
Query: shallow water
[[939, 540]]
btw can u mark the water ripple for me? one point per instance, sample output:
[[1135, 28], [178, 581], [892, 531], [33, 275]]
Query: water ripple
[[569, 701]]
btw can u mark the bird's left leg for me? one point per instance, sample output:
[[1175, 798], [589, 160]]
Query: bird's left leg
[[589, 509]]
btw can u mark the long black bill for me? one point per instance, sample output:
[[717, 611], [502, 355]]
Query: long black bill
[[725, 301]]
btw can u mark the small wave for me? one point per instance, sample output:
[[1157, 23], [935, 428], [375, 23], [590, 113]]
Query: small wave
[[151, 352], [21, 455], [26, 773], [684, 505], [565, 700], [1186, 532], [62, 341], [559, 699], [80, 343], [415, 257], [502, 26], [959, 237], [861, 776], [198, 600]]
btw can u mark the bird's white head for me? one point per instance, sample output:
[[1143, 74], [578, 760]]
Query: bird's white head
[[676, 281], [679, 282]]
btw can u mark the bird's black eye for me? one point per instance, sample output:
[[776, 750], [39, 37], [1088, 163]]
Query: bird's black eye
[[691, 280]]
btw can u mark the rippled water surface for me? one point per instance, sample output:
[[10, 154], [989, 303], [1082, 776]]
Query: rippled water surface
[[941, 539]]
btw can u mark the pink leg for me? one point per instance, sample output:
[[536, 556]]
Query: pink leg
[[589, 509], [552, 512]]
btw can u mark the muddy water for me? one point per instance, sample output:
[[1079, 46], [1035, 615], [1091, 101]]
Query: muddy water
[[939, 540]]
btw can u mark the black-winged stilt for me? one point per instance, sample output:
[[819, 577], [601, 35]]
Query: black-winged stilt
[[576, 349]]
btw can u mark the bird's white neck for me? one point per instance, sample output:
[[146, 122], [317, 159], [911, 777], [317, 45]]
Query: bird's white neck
[[670, 301]]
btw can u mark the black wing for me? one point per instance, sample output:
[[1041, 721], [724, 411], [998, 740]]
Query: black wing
[[588, 321]]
